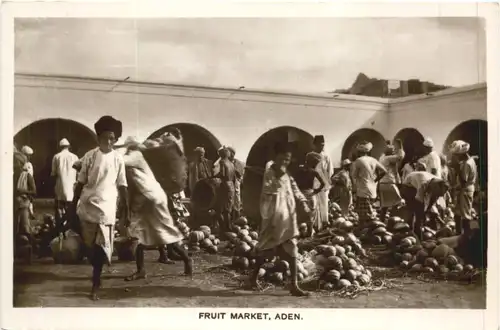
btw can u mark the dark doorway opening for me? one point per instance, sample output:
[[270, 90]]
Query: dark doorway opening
[[44, 136], [261, 152]]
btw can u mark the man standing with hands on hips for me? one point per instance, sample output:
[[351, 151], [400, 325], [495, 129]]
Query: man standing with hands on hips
[[325, 170]]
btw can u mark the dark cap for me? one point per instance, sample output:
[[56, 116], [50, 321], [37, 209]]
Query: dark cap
[[319, 139]]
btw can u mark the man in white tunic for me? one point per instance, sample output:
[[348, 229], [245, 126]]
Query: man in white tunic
[[65, 176], [100, 180], [325, 170], [431, 158]]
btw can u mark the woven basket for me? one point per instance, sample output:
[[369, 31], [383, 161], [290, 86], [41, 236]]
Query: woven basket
[[169, 166]]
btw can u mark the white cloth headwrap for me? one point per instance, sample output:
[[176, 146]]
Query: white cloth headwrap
[[428, 143], [459, 147], [346, 162], [27, 150], [64, 143], [365, 147]]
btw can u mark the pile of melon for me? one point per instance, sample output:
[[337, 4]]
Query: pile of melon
[[339, 268], [429, 257], [203, 239], [335, 213], [377, 232], [275, 270], [43, 234], [242, 237]]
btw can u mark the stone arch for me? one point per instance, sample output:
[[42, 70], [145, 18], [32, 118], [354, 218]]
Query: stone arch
[[474, 132], [194, 136], [412, 141], [44, 136], [260, 153], [364, 134]]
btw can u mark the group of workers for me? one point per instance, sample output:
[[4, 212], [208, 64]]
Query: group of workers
[[88, 189], [228, 172]]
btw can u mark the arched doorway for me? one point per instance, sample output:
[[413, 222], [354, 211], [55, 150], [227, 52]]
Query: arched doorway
[[44, 136], [412, 141], [260, 153], [363, 134], [474, 132], [193, 136]]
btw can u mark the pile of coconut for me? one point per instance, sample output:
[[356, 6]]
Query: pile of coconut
[[203, 239]]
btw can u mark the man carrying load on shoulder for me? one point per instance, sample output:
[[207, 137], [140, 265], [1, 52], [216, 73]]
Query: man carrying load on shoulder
[[151, 221]]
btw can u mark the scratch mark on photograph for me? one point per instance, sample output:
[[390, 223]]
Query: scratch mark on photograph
[[250, 162]]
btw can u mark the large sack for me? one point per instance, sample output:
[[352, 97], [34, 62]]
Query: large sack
[[169, 166], [68, 250]]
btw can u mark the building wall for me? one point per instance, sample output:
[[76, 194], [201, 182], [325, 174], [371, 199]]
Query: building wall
[[438, 114], [240, 117], [235, 117]]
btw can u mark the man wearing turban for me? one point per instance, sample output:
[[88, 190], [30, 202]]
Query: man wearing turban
[[239, 167], [421, 190], [152, 223], [343, 187], [100, 180], [227, 177], [325, 169], [200, 168], [466, 171], [388, 189], [65, 177], [431, 158], [366, 173]]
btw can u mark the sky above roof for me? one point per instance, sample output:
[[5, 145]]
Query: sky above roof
[[291, 54]]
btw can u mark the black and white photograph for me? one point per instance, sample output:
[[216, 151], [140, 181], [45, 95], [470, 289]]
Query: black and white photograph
[[251, 163]]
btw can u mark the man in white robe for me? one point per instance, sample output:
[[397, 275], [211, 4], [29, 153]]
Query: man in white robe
[[325, 169], [65, 176]]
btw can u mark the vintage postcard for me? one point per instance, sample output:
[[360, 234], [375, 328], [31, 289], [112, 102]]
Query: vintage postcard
[[294, 163]]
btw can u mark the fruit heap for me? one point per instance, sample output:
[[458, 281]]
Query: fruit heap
[[335, 213], [203, 239], [43, 234], [241, 236], [429, 257], [277, 271], [338, 265], [377, 232]]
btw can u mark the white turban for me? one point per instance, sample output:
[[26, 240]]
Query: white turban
[[27, 150], [132, 141], [64, 143], [459, 147], [365, 146], [428, 143], [151, 144], [199, 149], [346, 162]]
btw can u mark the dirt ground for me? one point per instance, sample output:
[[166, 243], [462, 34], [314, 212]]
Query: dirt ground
[[45, 284]]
